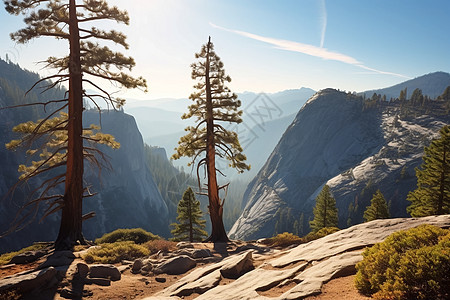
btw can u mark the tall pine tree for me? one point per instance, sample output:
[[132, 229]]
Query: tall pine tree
[[432, 196], [87, 59], [214, 104], [325, 211], [191, 225], [378, 208]]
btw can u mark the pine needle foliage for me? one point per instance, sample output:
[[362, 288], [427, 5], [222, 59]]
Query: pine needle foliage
[[325, 211], [378, 208], [214, 106], [191, 225], [432, 196], [62, 138]]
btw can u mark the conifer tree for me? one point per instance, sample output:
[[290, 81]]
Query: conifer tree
[[325, 211], [378, 208], [87, 59], [432, 196], [214, 104], [191, 225]]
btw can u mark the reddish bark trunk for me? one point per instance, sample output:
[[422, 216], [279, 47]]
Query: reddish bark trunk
[[218, 233], [70, 230]]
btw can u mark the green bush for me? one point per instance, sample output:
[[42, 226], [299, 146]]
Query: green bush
[[137, 235], [320, 234], [284, 239], [5, 258], [410, 264], [110, 253]]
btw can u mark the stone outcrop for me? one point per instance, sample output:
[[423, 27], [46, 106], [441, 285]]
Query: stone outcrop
[[176, 265], [298, 272], [336, 140]]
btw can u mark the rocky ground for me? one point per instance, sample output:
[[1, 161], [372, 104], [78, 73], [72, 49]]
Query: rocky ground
[[321, 269]]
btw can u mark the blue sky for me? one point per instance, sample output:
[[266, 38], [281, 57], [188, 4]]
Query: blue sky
[[270, 46]]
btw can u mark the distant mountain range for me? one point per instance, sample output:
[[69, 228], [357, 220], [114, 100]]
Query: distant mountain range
[[265, 118], [432, 84]]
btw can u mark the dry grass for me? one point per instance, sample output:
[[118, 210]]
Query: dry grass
[[163, 245]]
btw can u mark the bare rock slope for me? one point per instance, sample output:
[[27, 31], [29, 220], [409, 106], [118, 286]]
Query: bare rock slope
[[339, 140], [295, 273]]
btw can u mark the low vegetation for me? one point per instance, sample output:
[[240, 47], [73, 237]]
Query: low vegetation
[[10, 295], [5, 258], [320, 234], [284, 239], [110, 253], [287, 239], [410, 264], [126, 244], [160, 245], [136, 235]]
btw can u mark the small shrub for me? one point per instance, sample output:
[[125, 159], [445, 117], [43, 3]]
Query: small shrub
[[10, 295], [163, 245], [5, 258], [320, 234], [410, 264], [284, 239], [110, 253], [137, 235]]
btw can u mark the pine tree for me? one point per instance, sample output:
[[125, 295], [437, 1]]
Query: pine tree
[[378, 208], [325, 211], [65, 20], [191, 225], [213, 103], [432, 196]]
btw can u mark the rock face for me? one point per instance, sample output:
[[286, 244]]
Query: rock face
[[127, 195], [300, 271], [336, 140]]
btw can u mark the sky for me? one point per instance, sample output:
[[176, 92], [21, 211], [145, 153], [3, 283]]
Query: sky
[[268, 46]]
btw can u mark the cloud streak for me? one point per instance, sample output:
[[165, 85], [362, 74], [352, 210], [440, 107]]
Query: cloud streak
[[323, 19], [307, 49]]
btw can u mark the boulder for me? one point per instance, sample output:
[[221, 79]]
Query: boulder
[[123, 268], [98, 281], [160, 279], [241, 264], [184, 245], [105, 271], [82, 270], [193, 253], [27, 257], [137, 265], [30, 280], [176, 265]]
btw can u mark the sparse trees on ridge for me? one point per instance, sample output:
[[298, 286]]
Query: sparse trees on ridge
[[214, 104], [87, 60]]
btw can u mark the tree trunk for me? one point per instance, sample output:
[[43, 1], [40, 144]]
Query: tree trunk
[[218, 233], [70, 230]]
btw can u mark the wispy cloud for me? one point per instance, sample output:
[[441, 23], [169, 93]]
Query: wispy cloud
[[307, 49], [323, 19]]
